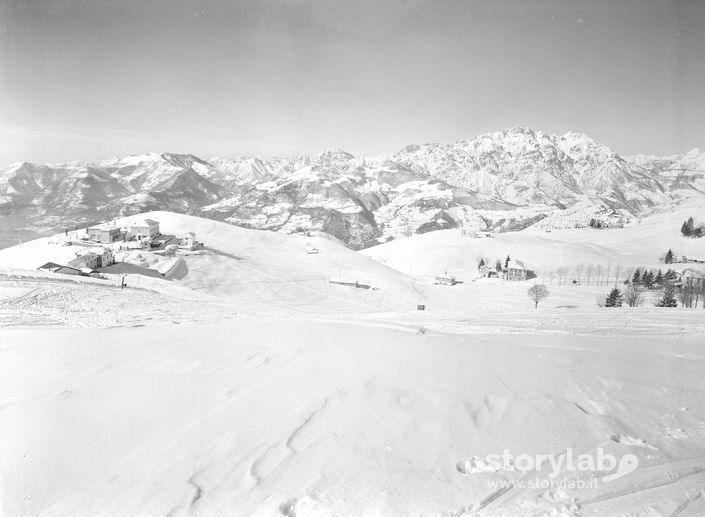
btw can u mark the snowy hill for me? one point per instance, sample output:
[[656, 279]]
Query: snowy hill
[[261, 272], [501, 181], [254, 269], [639, 245]]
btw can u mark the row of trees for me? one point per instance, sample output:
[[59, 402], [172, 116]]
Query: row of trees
[[590, 274], [649, 280], [632, 296], [688, 296]]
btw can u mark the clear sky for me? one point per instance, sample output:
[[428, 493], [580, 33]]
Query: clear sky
[[93, 79]]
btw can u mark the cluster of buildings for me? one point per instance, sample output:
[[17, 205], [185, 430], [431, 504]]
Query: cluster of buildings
[[140, 233], [88, 260], [512, 270], [109, 237], [108, 233]]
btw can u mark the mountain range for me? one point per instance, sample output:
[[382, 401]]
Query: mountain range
[[500, 181]]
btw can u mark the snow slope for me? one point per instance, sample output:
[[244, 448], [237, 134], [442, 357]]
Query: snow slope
[[249, 385], [314, 418], [642, 244], [257, 270]]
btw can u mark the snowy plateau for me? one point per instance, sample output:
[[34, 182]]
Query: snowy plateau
[[284, 368]]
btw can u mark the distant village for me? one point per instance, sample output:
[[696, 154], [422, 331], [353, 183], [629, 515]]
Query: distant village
[[103, 247]]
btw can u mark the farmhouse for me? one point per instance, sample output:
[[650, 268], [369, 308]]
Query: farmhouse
[[514, 270], [93, 258], [693, 279], [104, 233], [143, 228], [446, 280], [687, 260]]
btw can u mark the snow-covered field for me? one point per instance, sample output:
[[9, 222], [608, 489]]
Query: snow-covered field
[[247, 384], [642, 244]]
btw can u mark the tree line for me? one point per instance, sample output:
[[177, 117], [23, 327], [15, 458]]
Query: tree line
[[670, 294], [590, 274]]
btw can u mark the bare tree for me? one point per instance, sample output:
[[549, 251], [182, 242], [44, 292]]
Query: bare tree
[[628, 273], [699, 288], [550, 276], [599, 271], [562, 272], [686, 295], [632, 296], [537, 293], [579, 271], [616, 273], [589, 270]]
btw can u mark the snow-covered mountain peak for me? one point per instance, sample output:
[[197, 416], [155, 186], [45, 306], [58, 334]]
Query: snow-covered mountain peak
[[334, 154], [334, 158], [506, 179]]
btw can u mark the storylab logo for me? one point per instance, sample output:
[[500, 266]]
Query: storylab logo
[[609, 466]]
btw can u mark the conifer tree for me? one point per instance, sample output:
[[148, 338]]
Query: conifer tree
[[669, 297], [669, 257], [647, 279], [684, 229], [636, 279], [658, 279], [614, 299]]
